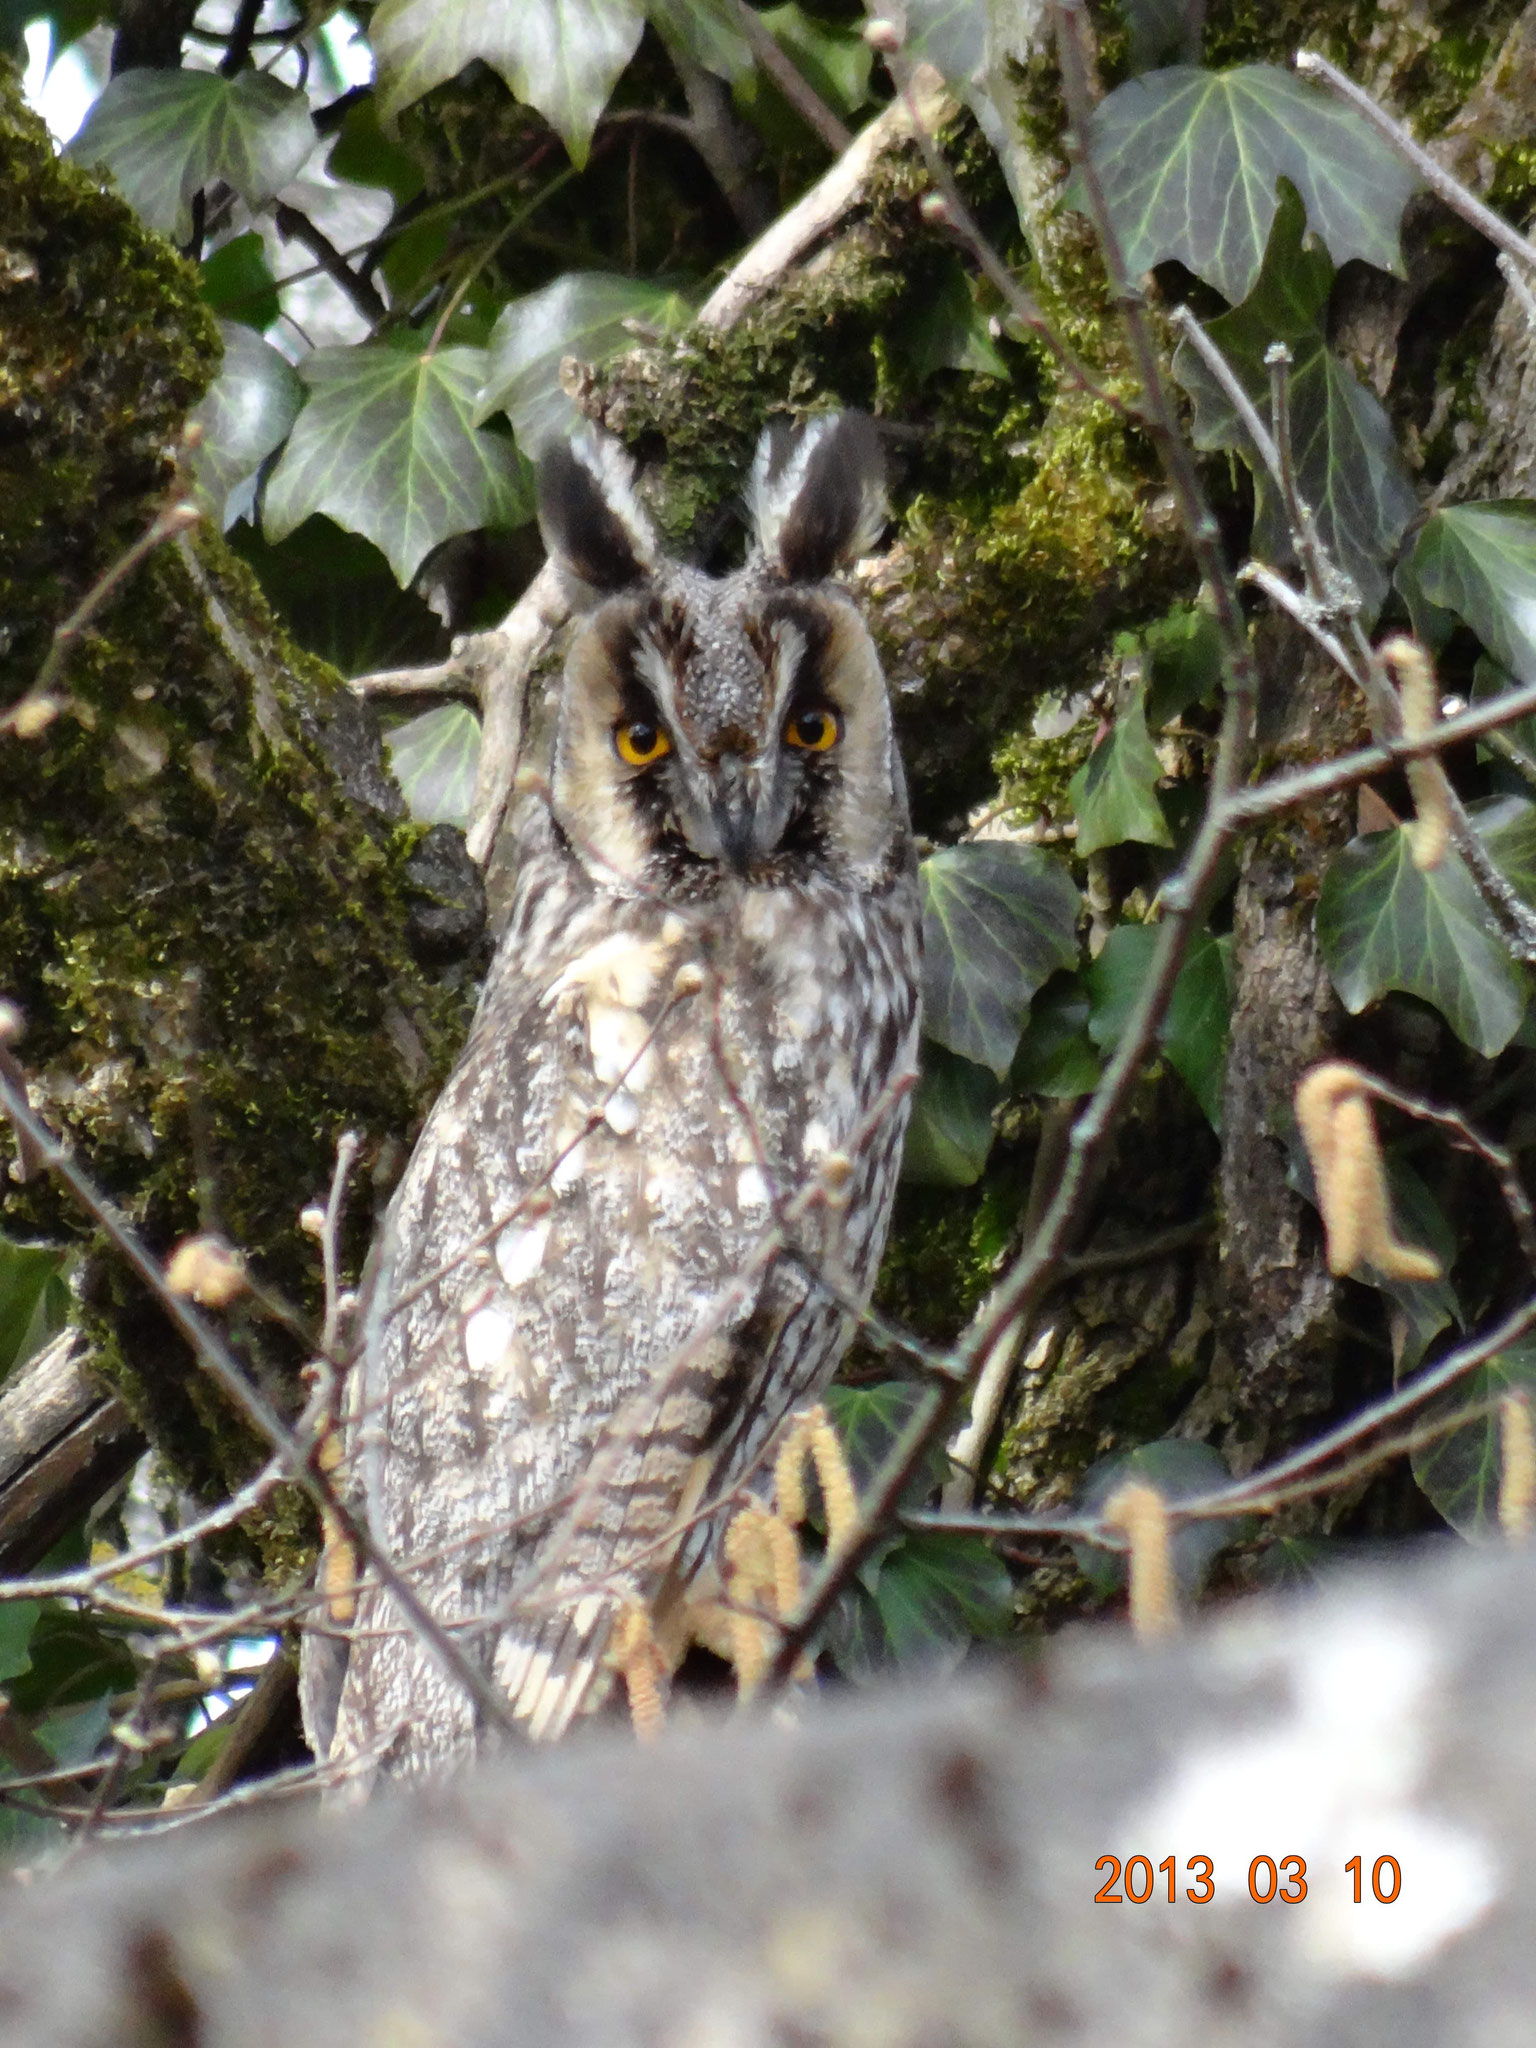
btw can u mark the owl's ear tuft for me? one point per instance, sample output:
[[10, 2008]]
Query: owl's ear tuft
[[591, 519], [817, 497]]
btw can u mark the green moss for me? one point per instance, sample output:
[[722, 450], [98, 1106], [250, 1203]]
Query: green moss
[[205, 931]]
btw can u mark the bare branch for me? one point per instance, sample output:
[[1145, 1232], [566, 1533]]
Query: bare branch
[[1439, 180]]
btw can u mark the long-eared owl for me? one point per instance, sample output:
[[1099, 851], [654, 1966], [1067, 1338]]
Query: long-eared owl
[[643, 1213]]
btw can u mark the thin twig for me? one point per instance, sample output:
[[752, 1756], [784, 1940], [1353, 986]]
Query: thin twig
[[1440, 181], [172, 519], [295, 226], [348, 1145], [796, 88], [224, 1370], [1467, 1138], [1520, 285], [1298, 606]]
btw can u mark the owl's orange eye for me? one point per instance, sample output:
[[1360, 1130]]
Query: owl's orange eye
[[813, 731], [641, 742]]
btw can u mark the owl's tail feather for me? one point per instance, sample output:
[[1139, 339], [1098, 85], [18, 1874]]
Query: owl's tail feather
[[617, 1544]]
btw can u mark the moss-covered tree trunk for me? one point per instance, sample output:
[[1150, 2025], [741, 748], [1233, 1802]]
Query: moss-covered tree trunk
[[205, 885]]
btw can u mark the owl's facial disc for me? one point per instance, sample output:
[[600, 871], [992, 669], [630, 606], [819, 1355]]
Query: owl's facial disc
[[732, 725]]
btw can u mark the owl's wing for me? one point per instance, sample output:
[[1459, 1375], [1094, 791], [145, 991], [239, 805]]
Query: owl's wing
[[569, 1309]]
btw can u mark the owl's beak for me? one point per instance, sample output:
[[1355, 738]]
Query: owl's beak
[[734, 817]]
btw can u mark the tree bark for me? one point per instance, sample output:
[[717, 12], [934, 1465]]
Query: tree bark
[[904, 1869], [206, 889]]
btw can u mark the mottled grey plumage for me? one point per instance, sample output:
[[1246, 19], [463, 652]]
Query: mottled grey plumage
[[581, 1329]]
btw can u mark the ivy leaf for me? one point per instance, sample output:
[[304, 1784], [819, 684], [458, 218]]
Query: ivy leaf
[[835, 63], [25, 1311], [434, 759], [561, 56], [706, 31], [1348, 466], [585, 313], [166, 135], [1163, 31], [1478, 562], [1384, 924], [998, 920], [338, 597], [236, 283], [1507, 827], [1178, 1470], [1194, 1029], [17, 1620], [950, 1131], [951, 35], [1490, 680], [388, 447], [248, 411], [72, 1657], [950, 332], [1183, 658], [1422, 1308], [363, 154], [1056, 1056], [1114, 793], [868, 1420], [1460, 1474], [1189, 159], [935, 1594]]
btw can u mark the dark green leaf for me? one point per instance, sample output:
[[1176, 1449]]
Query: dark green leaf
[[950, 331], [1194, 1028], [25, 1270], [1114, 981], [1478, 562], [249, 409], [338, 598], [237, 284], [1507, 827], [589, 314], [935, 1594], [869, 1421], [434, 758], [1194, 1033], [387, 446], [834, 62], [73, 1659], [1421, 1308], [951, 35], [1178, 1470], [1382, 924], [854, 1636], [950, 1133], [1056, 1056], [1189, 160], [1114, 793], [17, 1620], [201, 1751], [67, 21], [1460, 1473], [1183, 659], [1348, 466], [998, 920], [561, 56], [363, 154], [166, 135], [705, 31], [1490, 680], [1163, 31]]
